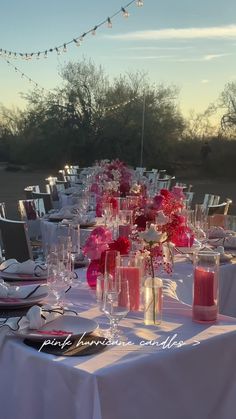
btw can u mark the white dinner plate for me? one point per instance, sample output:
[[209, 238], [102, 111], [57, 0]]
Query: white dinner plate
[[60, 328], [21, 302], [21, 277]]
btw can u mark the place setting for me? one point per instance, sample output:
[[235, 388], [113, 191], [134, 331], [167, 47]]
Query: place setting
[[29, 270]]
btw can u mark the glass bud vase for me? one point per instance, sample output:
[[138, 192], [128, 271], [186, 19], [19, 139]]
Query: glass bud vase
[[153, 301], [206, 286]]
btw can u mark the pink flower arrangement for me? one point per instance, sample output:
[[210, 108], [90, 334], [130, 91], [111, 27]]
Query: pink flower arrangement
[[97, 242]]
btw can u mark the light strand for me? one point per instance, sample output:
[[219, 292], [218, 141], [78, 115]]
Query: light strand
[[33, 82], [24, 76], [77, 40]]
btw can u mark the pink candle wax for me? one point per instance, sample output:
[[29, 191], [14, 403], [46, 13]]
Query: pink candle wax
[[124, 230], [132, 275], [203, 287]]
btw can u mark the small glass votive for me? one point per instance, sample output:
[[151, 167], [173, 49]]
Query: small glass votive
[[153, 301], [206, 286]]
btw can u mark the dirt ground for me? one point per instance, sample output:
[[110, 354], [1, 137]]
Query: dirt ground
[[12, 186]]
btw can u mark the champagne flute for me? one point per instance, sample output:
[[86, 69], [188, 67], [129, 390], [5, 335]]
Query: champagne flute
[[116, 306]]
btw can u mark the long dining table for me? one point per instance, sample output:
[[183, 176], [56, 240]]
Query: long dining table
[[177, 370]]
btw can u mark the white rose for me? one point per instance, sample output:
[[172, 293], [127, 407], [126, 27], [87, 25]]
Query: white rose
[[152, 235]]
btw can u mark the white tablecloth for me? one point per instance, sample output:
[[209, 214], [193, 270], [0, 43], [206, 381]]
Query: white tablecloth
[[51, 230], [195, 381]]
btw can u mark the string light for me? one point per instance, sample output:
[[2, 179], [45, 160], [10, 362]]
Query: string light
[[109, 23], [77, 40], [23, 75], [125, 12], [94, 30]]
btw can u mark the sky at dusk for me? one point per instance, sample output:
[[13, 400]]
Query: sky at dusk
[[191, 44]]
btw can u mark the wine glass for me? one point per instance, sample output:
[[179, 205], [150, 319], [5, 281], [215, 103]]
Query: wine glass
[[116, 305], [112, 261], [59, 269]]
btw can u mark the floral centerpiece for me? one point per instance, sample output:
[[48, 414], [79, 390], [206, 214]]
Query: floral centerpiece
[[96, 245]]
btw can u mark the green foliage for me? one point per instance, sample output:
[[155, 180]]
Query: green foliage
[[80, 120]]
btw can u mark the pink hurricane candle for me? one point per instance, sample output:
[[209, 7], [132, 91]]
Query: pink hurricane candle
[[131, 270], [205, 287], [132, 275]]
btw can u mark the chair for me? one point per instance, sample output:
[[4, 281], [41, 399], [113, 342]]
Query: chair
[[222, 208], [16, 243], [189, 198], [2, 209], [210, 200], [29, 189], [164, 183], [47, 200]]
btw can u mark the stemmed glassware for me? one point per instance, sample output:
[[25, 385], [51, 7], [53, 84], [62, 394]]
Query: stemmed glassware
[[200, 223], [59, 270], [116, 301], [116, 307]]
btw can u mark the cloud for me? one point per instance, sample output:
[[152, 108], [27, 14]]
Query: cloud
[[154, 48], [211, 57], [173, 58], [212, 32]]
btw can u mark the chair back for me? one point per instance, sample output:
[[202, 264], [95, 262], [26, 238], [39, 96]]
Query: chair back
[[31, 209], [2, 209], [29, 189], [189, 198], [47, 200], [222, 208], [164, 183], [27, 209], [16, 244]]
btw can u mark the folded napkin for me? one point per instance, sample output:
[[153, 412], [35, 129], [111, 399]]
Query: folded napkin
[[28, 267], [228, 242], [35, 318], [65, 212], [23, 291], [216, 232]]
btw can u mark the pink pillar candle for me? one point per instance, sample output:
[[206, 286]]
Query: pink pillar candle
[[132, 275], [205, 304]]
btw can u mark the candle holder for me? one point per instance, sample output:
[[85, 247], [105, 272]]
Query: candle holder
[[206, 286], [131, 270]]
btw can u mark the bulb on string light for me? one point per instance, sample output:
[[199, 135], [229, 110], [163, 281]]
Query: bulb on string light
[[94, 30], [109, 23], [139, 3], [82, 37], [46, 54], [64, 48], [125, 12], [77, 42], [58, 51]]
